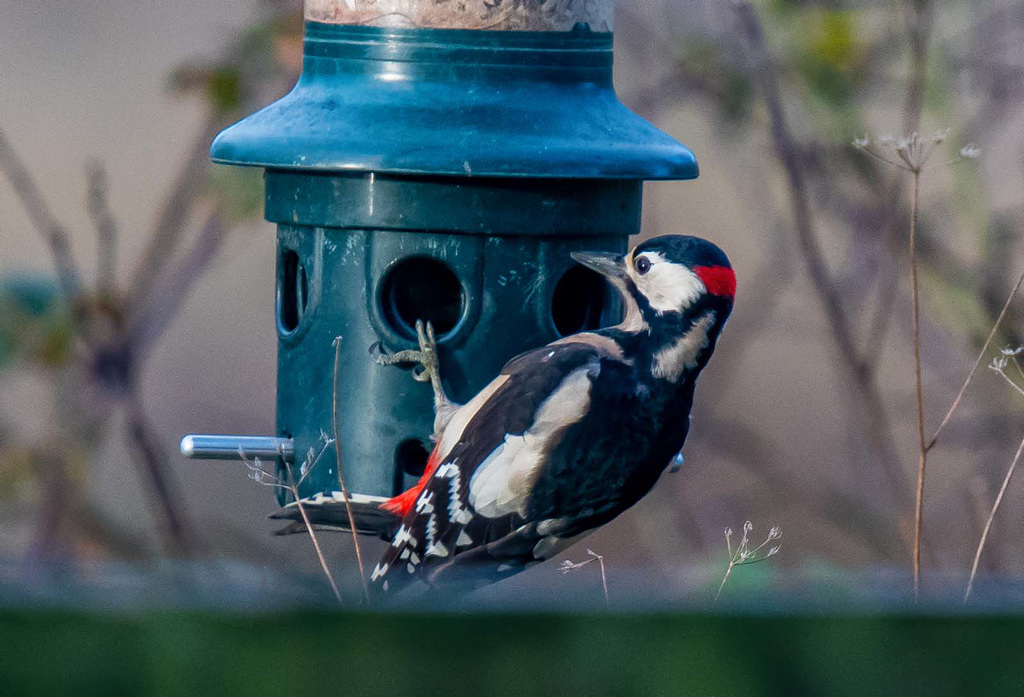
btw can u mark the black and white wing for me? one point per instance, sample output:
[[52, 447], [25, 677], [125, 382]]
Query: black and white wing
[[471, 515]]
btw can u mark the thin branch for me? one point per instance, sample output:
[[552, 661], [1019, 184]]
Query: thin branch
[[991, 517], [1017, 365], [1010, 382], [106, 228], [54, 234], [175, 529], [294, 489], [261, 476], [829, 293], [341, 477], [150, 320], [922, 461], [977, 362]]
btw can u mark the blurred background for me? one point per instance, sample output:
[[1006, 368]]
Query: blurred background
[[805, 419]]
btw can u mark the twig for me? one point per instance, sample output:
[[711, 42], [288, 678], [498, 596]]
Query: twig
[[341, 477], [1006, 377], [991, 517], [977, 362], [922, 461], [262, 476], [54, 234], [568, 566], [312, 534], [175, 528]]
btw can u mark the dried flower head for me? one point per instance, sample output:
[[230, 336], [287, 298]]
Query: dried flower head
[[744, 553], [999, 363], [912, 152]]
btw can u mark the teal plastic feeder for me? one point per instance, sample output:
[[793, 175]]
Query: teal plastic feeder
[[439, 161]]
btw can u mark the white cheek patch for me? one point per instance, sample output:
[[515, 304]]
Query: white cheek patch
[[502, 482], [668, 287], [670, 363]]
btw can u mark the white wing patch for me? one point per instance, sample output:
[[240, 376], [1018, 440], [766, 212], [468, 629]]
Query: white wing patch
[[502, 482], [670, 363], [453, 431]]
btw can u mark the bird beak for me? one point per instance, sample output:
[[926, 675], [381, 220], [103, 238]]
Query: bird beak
[[608, 264]]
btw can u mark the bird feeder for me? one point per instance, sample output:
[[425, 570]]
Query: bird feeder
[[437, 160]]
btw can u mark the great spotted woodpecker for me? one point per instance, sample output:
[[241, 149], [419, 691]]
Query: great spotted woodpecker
[[569, 435]]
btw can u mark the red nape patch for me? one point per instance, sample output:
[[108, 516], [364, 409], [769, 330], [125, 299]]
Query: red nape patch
[[400, 505], [719, 280]]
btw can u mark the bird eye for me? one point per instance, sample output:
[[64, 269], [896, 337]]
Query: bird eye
[[643, 265]]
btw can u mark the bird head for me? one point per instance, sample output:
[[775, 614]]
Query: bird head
[[676, 288]]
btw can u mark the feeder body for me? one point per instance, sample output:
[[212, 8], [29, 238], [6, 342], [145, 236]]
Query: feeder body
[[428, 167]]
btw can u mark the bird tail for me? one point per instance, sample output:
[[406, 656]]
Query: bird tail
[[400, 505], [328, 512]]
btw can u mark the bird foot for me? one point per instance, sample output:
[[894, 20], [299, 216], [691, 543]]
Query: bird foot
[[428, 369]]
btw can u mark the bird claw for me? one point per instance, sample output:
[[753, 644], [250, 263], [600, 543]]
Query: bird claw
[[376, 352], [426, 356], [381, 357], [427, 370]]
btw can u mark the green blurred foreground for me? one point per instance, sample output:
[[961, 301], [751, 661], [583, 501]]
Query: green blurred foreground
[[181, 653]]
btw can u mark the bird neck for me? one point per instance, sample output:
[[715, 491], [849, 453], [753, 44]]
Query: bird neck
[[671, 346]]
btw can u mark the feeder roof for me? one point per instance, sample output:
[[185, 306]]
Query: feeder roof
[[458, 103]]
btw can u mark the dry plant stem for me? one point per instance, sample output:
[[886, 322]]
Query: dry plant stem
[[988, 523], [568, 566], [341, 477], [732, 564], [977, 362], [828, 291], [294, 489], [744, 555], [922, 461], [1012, 384], [604, 582]]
